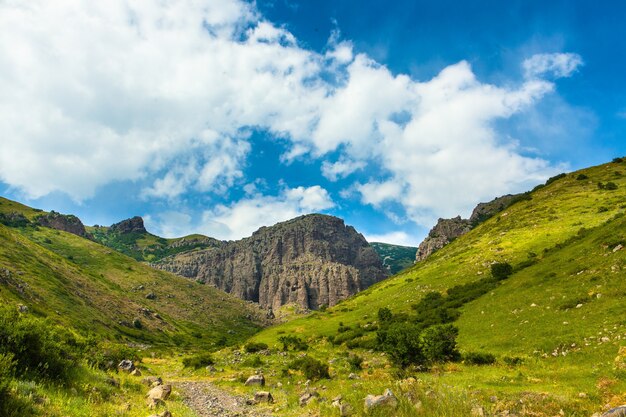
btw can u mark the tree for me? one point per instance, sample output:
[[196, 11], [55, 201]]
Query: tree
[[438, 343]]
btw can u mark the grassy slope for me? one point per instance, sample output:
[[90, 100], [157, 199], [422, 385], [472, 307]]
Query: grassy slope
[[571, 268], [82, 284], [395, 257], [148, 247]]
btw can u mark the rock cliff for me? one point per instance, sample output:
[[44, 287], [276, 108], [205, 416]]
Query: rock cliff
[[65, 222], [446, 230], [312, 260]]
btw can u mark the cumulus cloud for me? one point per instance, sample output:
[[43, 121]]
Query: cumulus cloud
[[557, 64], [395, 238], [243, 217], [165, 93]]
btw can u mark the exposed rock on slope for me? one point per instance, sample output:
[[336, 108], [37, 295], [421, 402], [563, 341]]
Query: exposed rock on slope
[[67, 223], [312, 260], [133, 225], [446, 230]]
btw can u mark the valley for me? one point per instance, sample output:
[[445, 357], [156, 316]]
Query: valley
[[518, 313]]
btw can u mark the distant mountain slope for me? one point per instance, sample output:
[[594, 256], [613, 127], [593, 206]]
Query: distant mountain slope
[[131, 238], [556, 326], [311, 261], [81, 284], [395, 257]]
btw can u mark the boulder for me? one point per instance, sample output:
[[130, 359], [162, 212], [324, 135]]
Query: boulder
[[22, 308], [160, 392], [307, 397], [152, 381], [263, 396], [136, 372], [126, 365], [616, 412], [387, 399], [256, 380]]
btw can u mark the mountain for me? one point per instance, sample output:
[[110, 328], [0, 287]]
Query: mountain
[[535, 292], [50, 269], [131, 238], [311, 261], [395, 257]]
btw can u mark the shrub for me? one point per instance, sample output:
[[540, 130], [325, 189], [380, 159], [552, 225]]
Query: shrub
[[618, 160], [294, 342], [501, 270], [555, 178], [602, 209], [253, 362], [582, 177], [438, 343], [198, 361], [479, 358], [610, 186], [512, 360], [401, 341], [254, 347], [107, 356], [6, 372], [600, 186], [355, 362], [384, 315], [39, 349], [311, 368]]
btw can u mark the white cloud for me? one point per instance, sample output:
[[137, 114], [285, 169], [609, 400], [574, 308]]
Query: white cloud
[[94, 92], [243, 217], [395, 238], [557, 64]]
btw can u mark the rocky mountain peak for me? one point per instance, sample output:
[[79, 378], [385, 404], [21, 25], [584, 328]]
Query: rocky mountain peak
[[65, 222], [132, 225], [311, 260]]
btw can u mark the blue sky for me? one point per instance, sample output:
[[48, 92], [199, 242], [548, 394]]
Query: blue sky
[[221, 116]]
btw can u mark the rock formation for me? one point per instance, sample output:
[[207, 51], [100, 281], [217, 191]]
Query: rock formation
[[65, 222], [312, 260], [132, 225], [446, 230]]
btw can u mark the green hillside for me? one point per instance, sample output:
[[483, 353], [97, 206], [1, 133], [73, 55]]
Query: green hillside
[[395, 257], [554, 327], [79, 283]]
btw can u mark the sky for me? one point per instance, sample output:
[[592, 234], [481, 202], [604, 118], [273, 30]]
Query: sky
[[221, 116]]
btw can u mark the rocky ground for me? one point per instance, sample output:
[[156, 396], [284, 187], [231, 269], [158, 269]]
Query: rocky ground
[[208, 401]]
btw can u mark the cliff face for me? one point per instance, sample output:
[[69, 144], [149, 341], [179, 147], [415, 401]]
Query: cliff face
[[65, 222], [312, 260], [446, 230]]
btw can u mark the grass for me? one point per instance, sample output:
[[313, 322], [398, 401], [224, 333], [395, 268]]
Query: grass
[[554, 326]]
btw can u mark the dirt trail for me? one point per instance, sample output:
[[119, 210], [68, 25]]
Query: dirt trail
[[209, 401]]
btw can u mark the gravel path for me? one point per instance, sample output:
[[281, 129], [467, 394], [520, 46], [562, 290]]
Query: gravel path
[[209, 401]]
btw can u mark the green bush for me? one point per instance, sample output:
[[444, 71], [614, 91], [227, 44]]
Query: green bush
[[198, 361], [311, 368], [479, 358], [106, 356], [253, 362], [384, 315], [253, 347], [401, 341], [618, 160], [39, 348], [555, 178], [501, 270], [6, 372], [610, 186], [355, 362], [582, 177], [293, 342], [438, 343]]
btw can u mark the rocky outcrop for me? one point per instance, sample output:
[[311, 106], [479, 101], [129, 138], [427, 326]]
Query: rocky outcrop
[[132, 225], [484, 211], [312, 260], [65, 222], [444, 232]]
